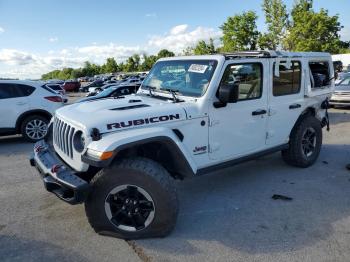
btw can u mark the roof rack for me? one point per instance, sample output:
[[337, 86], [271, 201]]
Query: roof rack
[[250, 54]]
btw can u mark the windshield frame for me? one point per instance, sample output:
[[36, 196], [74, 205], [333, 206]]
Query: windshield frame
[[165, 90]]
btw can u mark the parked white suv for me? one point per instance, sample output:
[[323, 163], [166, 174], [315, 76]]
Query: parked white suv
[[192, 115], [26, 108]]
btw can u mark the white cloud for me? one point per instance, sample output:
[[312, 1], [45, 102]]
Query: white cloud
[[15, 57], [111, 50], [179, 29], [53, 39], [179, 37], [151, 15], [24, 64], [2, 30]]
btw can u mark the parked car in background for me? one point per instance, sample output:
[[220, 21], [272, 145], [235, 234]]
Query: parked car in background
[[96, 83], [56, 87], [59, 90], [28, 107], [113, 91], [55, 81], [71, 86], [341, 77], [95, 90], [341, 95]]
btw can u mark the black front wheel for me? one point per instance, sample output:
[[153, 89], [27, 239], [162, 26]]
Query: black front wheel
[[134, 198]]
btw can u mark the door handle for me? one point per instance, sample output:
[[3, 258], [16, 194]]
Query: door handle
[[21, 103], [294, 106], [259, 112]]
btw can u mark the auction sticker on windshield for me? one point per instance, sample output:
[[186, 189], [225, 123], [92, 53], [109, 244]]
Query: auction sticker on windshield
[[195, 68]]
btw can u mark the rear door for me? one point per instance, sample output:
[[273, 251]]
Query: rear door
[[13, 102], [286, 100]]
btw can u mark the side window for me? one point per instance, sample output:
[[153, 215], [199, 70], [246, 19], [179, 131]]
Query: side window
[[319, 74], [248, 77], [25, 90], [289, 80], [8, 91]]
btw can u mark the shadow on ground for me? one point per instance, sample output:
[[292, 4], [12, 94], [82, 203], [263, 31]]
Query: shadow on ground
[[234, 207], [14, 249]]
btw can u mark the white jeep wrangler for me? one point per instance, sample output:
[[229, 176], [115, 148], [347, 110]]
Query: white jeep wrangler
[[192, 115]]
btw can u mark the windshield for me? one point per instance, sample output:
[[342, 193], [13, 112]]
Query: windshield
[[187, 77]]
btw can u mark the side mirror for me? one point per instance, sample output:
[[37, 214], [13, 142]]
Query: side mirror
[[227, 93]]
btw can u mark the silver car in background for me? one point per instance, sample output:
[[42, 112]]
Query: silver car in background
[[341, 95]]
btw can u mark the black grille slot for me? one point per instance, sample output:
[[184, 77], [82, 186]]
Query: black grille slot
[[63, 136]]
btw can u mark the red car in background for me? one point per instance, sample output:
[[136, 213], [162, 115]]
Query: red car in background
[[71, 86]]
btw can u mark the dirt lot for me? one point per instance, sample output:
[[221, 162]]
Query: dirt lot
[[224, 216]]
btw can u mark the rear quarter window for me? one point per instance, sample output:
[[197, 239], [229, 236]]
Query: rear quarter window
[[25, 90]]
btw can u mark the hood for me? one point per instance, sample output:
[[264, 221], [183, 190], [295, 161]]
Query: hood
[[115, 114]]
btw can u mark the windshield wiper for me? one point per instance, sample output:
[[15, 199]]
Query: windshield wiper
[[173, 93], [150, 89]]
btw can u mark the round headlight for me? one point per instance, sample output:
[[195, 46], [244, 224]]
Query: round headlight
[[79, 141]]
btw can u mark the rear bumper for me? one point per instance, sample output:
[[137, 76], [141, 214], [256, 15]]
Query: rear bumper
[[58, 178]]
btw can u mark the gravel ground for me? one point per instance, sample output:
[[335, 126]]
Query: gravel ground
[[224, 216]]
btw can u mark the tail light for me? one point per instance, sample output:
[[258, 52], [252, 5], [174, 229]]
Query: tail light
[[57, 99]]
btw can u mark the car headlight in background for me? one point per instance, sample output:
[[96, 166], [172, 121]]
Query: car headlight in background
[[79, 141]]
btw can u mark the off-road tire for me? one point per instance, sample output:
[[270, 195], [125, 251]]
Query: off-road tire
[[30, 119], [294, 154], [141, 172]]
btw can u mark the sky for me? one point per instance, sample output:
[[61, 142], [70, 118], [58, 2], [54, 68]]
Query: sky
[[38, 36]]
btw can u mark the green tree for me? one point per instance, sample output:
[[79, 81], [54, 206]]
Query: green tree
[[276, 18], [202, 48], [165, 53], [132, 63], [148, 62], [240, 32], [111, 66], [188, 51], [313, 31]]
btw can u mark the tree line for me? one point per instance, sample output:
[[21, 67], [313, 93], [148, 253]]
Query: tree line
[[301, 29]]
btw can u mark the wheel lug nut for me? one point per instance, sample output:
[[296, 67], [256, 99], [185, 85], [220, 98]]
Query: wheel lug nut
[[135, 202], [123, 207], [127, 200], [129, 214], [136, 210]]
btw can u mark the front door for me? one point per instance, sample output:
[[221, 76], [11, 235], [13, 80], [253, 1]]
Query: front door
[[239, 128]]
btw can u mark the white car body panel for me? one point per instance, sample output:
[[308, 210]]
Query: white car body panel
[[12, 108], [211, 135]]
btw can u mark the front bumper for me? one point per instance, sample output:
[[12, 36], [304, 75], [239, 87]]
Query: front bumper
[[58, 178]]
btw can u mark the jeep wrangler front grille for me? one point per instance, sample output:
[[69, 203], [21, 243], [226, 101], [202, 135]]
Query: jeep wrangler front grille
[[63, 136]]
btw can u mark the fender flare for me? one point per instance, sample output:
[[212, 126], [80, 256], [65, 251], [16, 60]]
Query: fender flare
[[179, 158]]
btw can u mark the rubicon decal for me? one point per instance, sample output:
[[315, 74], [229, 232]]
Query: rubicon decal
[[143, 121]]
